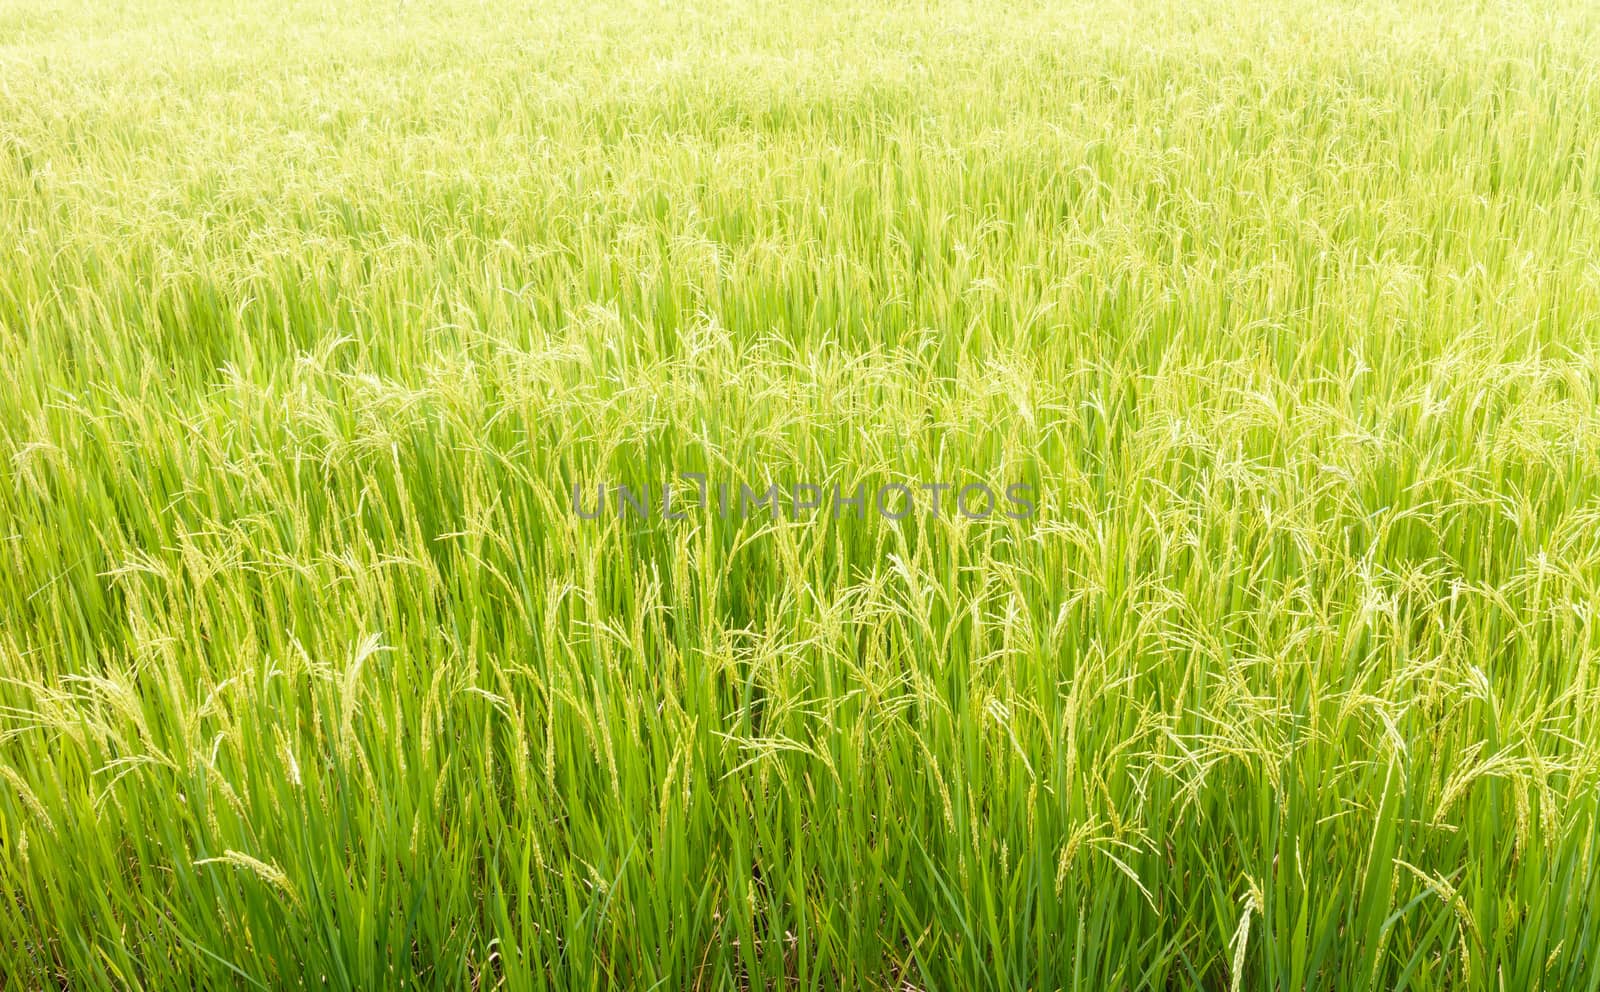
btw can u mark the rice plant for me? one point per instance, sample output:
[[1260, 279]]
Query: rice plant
[[332, 655]]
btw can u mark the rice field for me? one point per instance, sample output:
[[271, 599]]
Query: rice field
[[354, 355]]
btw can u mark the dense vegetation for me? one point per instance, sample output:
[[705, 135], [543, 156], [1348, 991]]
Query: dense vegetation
[[312, 315]]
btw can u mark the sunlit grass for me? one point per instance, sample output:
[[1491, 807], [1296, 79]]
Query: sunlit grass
[[311, 317]]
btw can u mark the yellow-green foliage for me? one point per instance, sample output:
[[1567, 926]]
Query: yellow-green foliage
[[312, 313]]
